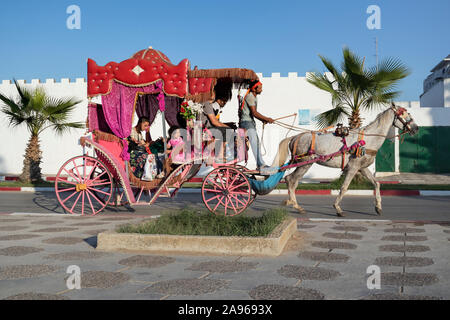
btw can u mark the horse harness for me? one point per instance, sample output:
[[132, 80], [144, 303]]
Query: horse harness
[[357, 149]]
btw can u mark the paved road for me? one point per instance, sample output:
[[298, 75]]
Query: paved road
[[430, 208]]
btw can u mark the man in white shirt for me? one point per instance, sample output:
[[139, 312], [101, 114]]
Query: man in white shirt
[[247, 114]]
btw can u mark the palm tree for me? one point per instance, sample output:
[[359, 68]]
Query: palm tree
[[354, 88], [38, 111]]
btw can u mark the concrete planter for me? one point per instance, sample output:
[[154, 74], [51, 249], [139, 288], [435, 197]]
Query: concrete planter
[[272, 245]]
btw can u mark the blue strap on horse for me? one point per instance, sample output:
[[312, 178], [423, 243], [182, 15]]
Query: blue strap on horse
[[262, 187]]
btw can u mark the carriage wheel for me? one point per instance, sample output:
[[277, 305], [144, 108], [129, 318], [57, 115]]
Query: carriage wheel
[[226, 191], [83, 185]]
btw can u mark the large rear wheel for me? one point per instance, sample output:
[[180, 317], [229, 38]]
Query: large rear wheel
[[226, 191], [83, 185]]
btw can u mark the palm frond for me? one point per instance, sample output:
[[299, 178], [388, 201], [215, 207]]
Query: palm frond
[[329, 65], [24, 94], [379, 100], [331, 117], [10, 104], [61, 128], [59, 109], [14, 119], [320, 81]]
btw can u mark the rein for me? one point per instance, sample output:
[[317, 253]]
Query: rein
[[275, 120], [397, 116]]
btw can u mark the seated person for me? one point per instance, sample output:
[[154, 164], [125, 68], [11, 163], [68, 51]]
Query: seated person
[[156, 158], [176, 146], [144, 155], [211, 120], [137, 147]]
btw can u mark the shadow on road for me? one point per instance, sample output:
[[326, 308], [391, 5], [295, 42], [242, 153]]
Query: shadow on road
[[49, 202]]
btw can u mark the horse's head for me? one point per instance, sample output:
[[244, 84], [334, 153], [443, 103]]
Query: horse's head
[[404, 121]]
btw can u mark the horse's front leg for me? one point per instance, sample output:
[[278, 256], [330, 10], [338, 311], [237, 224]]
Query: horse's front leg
[[369, 176], [352, 169], [292, 183]]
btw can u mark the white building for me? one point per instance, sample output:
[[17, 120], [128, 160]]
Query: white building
[[436, 87]]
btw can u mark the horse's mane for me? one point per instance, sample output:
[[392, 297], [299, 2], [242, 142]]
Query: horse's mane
[[377, 119]]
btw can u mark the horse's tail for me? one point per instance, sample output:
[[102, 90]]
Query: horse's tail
[[283, 152]]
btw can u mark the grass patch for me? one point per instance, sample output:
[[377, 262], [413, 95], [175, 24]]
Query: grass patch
[[358, 182], [193, 222]]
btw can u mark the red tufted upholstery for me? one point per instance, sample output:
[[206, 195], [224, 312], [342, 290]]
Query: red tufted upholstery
[[200, 85], [147, 71], [152, 55], [149, 65]]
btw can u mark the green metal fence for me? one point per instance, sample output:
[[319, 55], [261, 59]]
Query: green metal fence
[[426, 152]]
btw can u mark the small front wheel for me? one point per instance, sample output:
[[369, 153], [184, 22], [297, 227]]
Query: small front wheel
[[83, 185], [226, 191]]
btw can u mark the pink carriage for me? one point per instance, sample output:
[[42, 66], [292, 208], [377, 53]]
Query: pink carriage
[[148, 84]]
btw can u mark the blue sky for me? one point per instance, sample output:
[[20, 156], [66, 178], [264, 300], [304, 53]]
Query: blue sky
[[266, 36]]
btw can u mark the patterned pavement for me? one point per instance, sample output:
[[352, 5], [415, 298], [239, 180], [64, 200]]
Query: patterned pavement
[[324, 260]]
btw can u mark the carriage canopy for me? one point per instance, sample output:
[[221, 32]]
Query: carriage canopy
[[148, 83]]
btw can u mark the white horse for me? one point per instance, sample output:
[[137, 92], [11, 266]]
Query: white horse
[[374, 136]]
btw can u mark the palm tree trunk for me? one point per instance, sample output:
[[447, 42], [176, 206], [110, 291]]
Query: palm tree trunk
[[354, 120], [31, 171]]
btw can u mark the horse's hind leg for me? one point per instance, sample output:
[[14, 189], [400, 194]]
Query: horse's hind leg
[[351, 171], [292, 182], [366, 173]]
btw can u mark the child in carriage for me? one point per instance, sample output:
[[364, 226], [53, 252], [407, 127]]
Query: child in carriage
[[176, 146]]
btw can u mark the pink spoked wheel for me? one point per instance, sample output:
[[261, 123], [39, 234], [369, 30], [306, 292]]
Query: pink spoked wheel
[[83, 185], [226, 191]]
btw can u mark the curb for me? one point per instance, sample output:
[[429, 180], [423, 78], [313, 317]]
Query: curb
[[271, 245], [319, 192]]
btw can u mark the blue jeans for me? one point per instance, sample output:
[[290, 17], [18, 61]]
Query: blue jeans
[[254, 141]]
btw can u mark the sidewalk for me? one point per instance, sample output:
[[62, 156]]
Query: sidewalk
[[324, 260], [417, 178]]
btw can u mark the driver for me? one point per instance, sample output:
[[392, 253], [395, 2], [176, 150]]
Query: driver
[[247, 114], [222, 131]]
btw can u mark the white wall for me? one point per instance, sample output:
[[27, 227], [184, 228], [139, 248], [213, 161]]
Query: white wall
[[281, 96]]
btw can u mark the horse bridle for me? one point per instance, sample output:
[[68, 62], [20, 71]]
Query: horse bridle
[[400, 115]]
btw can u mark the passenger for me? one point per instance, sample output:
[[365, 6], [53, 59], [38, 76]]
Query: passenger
[[176, 146], [137, 147]]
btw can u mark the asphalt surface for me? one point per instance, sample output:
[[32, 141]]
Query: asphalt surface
[[407, 208]]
